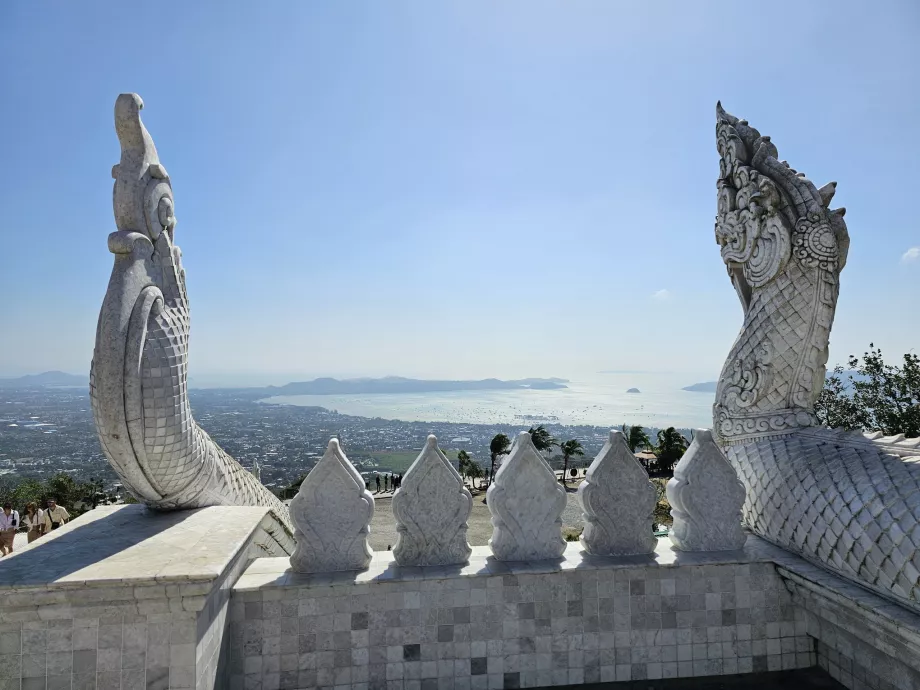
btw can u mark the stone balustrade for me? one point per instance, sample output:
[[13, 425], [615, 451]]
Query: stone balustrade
[[332, 510]]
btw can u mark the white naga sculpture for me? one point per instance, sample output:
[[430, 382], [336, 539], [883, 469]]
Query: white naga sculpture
[[844, 500], [138, 380]]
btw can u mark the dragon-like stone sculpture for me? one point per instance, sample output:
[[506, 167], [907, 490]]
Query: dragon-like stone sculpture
[[138, 379], [844, 500]]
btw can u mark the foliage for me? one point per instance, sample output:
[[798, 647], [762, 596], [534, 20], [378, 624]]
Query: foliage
[[879, 397], [670, 448], [463, 460], [636, 437], [75, 496], [542, 439], [571, 533], [662, 506], [570, 448], [500, 445], [474, 471]]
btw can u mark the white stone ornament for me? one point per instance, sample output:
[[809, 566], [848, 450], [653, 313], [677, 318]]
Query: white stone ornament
[[706, 499], [526, 502], [431, 508], [332, 513], [618, 502], [847, 501], [139, 373]]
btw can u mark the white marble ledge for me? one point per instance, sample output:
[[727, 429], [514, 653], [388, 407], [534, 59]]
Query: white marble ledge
[[867, 605], [127, 545], [267, 573]]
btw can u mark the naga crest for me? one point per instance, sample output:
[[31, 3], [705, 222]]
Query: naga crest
[[769, 213], [142, 197], [784, 249]]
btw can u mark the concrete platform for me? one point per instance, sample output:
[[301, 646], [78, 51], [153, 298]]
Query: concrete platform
[[123, 597]]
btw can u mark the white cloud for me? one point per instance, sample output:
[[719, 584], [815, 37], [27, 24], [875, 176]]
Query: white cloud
[[910, 255], [661, 295]]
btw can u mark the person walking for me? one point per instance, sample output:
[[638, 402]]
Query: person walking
[[34, 520], [9, 523], [55, 516]]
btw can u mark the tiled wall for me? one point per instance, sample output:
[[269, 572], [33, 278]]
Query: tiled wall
[[118, 652], [858, 650], [517, 630], [120, 637]]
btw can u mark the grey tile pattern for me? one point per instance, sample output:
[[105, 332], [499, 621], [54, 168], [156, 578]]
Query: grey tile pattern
[[863, 641], [526, 629], [153, 637]]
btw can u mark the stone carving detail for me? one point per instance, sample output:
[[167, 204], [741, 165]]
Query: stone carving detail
[[748, 379], [138, 378], [706, 499], [431, 508], [846, 501], [332, 512], [526, 502], [618, 502]]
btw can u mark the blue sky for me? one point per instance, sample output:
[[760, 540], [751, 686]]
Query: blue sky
[[460, 189]]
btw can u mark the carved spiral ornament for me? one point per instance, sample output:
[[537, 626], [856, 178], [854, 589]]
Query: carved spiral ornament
[[814, 243], [159, 211]]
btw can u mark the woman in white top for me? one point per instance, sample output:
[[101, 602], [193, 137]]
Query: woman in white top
[[34, 520]]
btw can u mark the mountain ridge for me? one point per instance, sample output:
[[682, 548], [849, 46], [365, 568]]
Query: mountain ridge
[[400, 384], [46, 379]]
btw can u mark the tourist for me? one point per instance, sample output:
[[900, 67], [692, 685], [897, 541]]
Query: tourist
[[34, 520], [55, 516], [9, 523], [377, 479], [386, 482]]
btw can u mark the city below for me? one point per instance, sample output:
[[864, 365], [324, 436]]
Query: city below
[[45, 430]]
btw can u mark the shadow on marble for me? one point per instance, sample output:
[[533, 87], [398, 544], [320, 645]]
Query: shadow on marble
[[130, 543]]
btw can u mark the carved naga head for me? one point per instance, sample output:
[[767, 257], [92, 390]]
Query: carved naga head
[[142, 197], [769, 213]]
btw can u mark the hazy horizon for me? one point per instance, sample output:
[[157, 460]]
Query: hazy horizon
[[456, 190], [259, 379]]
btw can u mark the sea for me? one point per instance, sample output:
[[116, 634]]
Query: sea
[[599, 400]]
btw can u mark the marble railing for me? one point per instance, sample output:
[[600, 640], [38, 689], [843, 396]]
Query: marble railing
[[333, 508]]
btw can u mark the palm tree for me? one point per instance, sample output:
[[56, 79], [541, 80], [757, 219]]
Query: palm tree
[[636, 437], [463, 463], [569, 449], [474, 470], [500, 445], [671, 447], [542, 440]]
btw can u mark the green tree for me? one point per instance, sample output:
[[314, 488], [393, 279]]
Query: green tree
[[542, 439], [463, 462], [474, 471], [636, 437], [25, 492], [873, 396], [571, 448], [670, 448], [500, 445], [65, 489]]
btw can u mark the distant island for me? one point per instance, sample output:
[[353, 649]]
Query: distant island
[[45, 380], [633, 390], [704, 387], [398, 384]]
